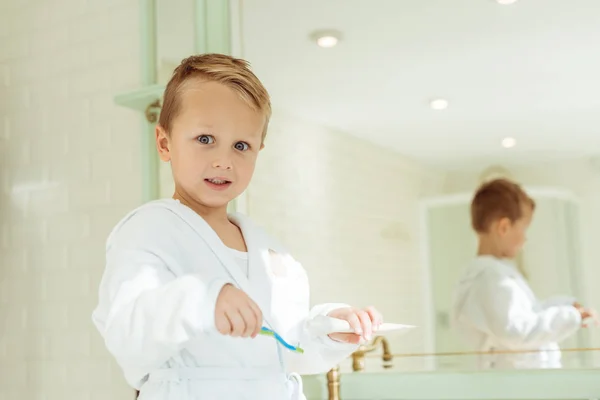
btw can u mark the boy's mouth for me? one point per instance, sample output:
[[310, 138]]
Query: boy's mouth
[[217, 183]]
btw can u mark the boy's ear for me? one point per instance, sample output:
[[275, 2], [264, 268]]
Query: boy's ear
[[262, 146], [162, 143], [504, 225]]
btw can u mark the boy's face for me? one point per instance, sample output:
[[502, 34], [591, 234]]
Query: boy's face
[[213, 143], [512, 235]]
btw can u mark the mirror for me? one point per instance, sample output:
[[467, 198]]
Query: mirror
[[377, 145]]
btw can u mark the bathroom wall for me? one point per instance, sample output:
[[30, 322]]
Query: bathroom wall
[[69, 168]]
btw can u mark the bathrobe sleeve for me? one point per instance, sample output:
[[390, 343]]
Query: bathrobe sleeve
[[502, 309], [146, 314], [558, 301], [321, 353]]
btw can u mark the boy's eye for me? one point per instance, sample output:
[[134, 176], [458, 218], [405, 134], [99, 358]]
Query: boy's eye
[[206, 139], [241, 146]]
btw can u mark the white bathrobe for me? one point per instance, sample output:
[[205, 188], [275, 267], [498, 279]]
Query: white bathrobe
[[495, 309], [165, 267]]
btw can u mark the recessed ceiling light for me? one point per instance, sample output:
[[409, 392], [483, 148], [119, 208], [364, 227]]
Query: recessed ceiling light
[[439, 104], [326, 39], [504, 2], [508, 142]]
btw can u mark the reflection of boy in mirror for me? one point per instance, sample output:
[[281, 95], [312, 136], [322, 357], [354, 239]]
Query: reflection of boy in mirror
[[494, 307]]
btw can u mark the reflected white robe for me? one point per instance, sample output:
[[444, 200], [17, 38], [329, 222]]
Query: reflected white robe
[[165, 267], [494, 308]]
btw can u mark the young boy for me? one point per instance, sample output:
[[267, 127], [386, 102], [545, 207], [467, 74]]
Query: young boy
[[188, 287], [494, 307]]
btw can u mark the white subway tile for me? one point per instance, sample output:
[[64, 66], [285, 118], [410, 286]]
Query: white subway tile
[[90, 373], [14, 317], [51, 94], [49, 315], [23, 344], [4, 75], [48, 373], [25, 126], [79, 282], [47, 198], [14, 47], [27, 233], [78, 169], [117, 390], [4, 235], [87, 196], [90, 81], [49, 38], [26, 71], [47, 257], [14, 379], [14, 262], [71, 344], [67, 228], [15, 99], [89, 255]]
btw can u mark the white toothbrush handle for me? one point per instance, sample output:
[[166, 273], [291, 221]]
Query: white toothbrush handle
[[322, 325]]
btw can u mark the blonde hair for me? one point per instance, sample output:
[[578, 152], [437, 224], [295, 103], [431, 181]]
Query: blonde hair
[[232, 72]]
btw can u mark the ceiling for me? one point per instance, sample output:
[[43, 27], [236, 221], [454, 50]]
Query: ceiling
[[530, 70]]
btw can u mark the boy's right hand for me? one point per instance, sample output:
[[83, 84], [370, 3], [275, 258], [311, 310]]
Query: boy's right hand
[[236, 314], [587, 314]]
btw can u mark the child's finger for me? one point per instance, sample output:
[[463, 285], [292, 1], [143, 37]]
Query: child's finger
[[355, 324], [346, 337], [365, 322], [223, 325], [237, 322], [376, 317], [250, 322], [258, 317]]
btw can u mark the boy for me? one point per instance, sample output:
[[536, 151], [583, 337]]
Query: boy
[[188, 287], [494, 307]]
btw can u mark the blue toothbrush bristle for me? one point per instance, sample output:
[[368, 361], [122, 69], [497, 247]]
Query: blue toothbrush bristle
[[285, 344]]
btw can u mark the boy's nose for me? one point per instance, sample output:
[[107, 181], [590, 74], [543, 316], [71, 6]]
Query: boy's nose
[[222, 164]]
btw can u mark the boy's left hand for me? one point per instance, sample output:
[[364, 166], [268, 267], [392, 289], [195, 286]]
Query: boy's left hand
[[363, 321]]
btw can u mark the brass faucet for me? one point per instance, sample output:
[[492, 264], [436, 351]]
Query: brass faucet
[[358, 357], [333, 383]]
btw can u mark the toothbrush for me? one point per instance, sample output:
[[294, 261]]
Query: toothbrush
[[268, 332]]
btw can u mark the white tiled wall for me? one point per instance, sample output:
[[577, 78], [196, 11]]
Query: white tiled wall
[[69, 168], [348, 211]]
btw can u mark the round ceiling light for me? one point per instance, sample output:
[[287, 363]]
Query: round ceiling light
[[505, 2], [508, 142], [326, 39], [439, 104]]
